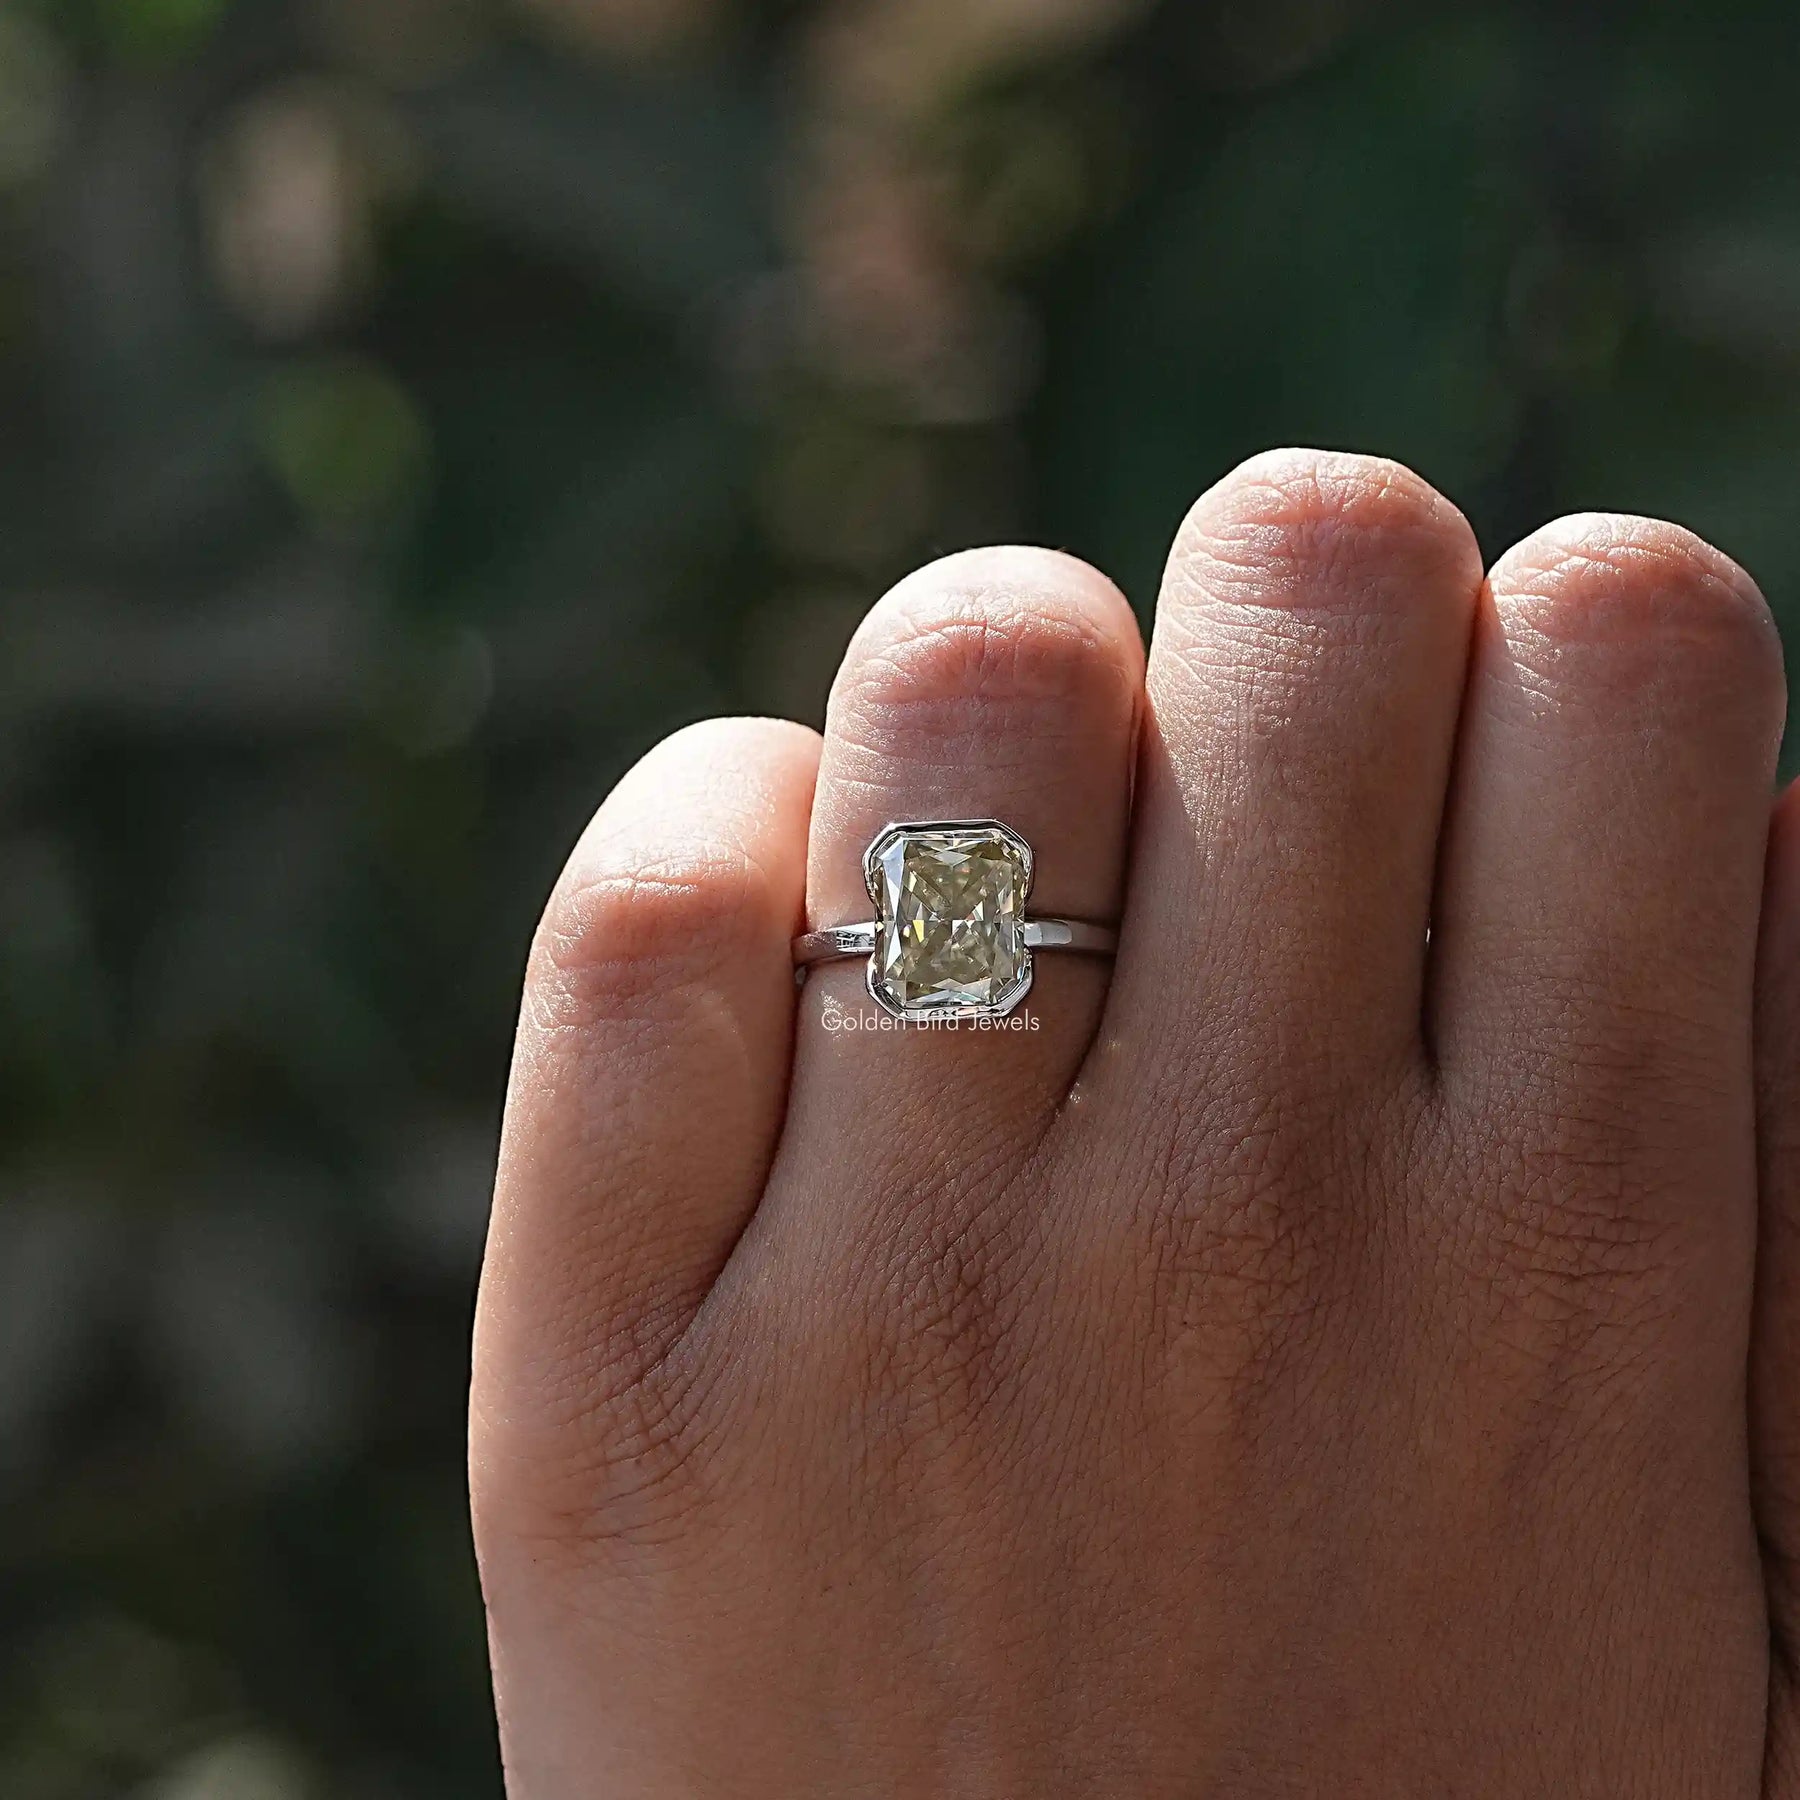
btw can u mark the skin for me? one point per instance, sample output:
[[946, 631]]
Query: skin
[[1314, 1359]]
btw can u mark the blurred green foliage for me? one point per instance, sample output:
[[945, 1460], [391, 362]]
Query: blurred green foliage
[[409, 409]]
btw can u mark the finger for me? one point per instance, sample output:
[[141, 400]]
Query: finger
[[998, 684], [1304, 681], [1602, 868], [649, 1074]]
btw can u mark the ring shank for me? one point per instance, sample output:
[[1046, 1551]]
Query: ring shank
[[1037, 934], [1070, 934], [833, 942]]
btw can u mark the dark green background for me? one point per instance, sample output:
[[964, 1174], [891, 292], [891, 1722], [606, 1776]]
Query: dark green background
[[409, 409]]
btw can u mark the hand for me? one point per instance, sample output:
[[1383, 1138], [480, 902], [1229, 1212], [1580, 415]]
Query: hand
[[1313, 1360]]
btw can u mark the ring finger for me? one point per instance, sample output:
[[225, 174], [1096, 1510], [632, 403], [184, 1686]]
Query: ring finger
[[995, 684]]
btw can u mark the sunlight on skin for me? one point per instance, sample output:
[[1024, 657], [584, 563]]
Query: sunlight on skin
[[1312, 1361]]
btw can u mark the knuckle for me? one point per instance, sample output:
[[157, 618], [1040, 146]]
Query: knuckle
[[1325, 529], [1641, 589], [619, 943], [1582, 1226], [1021, 633], [1643, 1037], [1573, 1226], [1243, 1237]]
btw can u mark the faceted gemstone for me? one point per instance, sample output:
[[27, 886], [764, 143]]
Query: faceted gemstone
[[952, 902]]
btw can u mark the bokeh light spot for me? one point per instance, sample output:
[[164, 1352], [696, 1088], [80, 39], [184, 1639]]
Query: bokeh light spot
[[346, 440]]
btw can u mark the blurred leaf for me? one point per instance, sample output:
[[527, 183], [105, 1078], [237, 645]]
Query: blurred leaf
[[158, 30], [346, 440]]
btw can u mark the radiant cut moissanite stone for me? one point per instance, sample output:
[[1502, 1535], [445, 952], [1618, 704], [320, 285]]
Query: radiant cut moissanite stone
[[949, 942]]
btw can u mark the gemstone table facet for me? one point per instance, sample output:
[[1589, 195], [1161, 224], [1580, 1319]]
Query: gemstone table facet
[[952, 902]]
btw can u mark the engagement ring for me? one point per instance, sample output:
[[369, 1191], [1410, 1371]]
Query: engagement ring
[[951, 940]]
